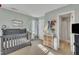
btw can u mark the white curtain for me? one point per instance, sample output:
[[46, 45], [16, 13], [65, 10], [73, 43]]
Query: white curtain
[[33, 28], [41, 28]]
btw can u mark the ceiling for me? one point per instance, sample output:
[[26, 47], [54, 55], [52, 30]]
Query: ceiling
[[35, 10]]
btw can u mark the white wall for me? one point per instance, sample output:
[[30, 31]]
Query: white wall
[[6, 16]]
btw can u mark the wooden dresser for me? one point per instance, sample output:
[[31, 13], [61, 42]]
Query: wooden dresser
[[48, 41]]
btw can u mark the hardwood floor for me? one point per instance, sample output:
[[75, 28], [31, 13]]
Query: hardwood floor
[[65, 47], [35, 50]]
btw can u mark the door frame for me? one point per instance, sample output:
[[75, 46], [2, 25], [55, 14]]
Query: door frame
[[72, 20]]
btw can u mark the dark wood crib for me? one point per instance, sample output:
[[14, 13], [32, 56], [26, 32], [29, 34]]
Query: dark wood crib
[[14, 39]]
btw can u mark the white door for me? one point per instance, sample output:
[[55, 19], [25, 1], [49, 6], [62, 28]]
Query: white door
[[65, 28]]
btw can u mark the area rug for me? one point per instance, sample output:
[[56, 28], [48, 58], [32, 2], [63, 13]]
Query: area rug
[[44, 49]]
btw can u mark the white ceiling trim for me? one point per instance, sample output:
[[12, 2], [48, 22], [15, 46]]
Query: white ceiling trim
[[35, 10]]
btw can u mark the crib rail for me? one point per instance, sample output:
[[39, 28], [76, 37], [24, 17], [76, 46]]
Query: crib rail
[[10, 43]]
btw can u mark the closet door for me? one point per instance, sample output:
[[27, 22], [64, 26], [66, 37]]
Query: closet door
[[65, 29]]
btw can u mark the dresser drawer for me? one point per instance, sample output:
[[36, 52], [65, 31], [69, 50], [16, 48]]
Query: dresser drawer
[[48, 41]]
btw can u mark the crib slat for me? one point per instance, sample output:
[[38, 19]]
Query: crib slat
[[11, 42], [15, 42], [8, 42], [5, 44], [2, 47]]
